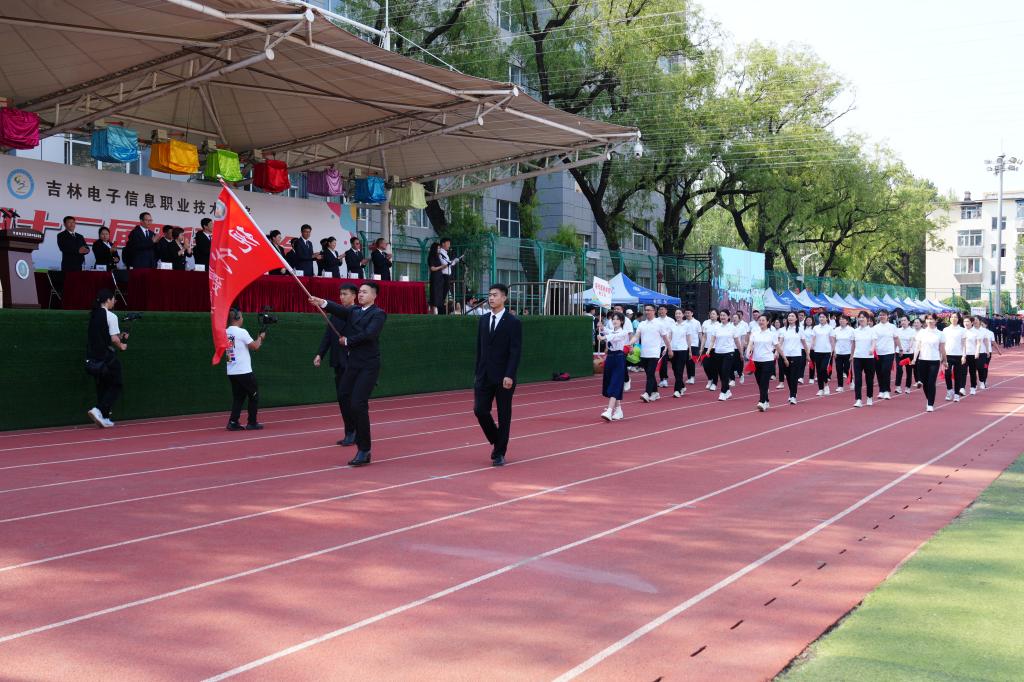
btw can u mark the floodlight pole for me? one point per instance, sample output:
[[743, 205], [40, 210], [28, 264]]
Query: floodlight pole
[[1001, 165]]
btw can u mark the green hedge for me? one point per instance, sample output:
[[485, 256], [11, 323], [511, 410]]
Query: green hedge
[[167, 366]]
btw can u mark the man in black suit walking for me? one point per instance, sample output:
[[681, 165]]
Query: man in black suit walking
[[141, 249], [302, 252], [499, 341], [338, 355], [363, 325], [72, 247]]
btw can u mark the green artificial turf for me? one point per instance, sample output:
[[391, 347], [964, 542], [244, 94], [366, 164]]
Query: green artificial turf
[[954, 611]]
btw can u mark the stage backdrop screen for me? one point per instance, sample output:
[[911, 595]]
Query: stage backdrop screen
[[737, 280]]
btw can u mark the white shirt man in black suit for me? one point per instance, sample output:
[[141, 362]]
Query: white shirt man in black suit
[[302, 252], [498, 348], [140, 251], [72, 247]]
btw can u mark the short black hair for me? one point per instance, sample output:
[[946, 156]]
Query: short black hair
[[142, 216], [204, 222], [499, 287], [373, 285], [273, 233], [442, 240], [103, 295], [66, 219], [305, 227], [349, 287], [168, 228]]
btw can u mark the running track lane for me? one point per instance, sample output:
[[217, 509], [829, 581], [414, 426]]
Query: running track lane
[[634, 486]]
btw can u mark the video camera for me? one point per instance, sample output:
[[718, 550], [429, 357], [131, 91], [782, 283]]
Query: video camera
[[267, 318], [131, 317]]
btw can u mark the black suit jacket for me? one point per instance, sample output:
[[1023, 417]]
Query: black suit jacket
[[302, 255], [201, 252], [141, 248], [330, 344], [362, 332], [497, 354], [353, 261], [381, 266], [105, 255], [69, 243], [166, 251], [329, 262]]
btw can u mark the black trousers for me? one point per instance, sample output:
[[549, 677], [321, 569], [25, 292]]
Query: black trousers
[[863, 370], [983, 360], [711, 366], [339, 373], [900, 368], [820, 368], [691, 362], [927, 374], [956, 374], [356, 386], [794, 371], [680, 361], [484, 395], [243, 387], [781, 373], [737, 364], [883, 368], [842, 368], [650, 366], [972, 370], [108, 387], [763, 373], [664, 366], [725, 370]]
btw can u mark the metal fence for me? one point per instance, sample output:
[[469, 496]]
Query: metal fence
[[780, 280]]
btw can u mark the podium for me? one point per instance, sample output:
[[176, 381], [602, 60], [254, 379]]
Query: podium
[[17, 272]]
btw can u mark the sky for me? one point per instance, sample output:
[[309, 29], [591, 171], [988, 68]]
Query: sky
[[940, 82]]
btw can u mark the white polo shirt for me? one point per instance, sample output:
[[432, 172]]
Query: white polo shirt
[[953, 337], [792, 342], [864, 337], [679, 336], [884, 343], [651, 341], [764, 344], [906, 335], [844, 339], [971, 338], [725, 338], [927, 344], [693, 330], [821, 338]]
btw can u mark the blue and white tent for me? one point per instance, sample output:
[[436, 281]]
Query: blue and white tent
[[627, 292]]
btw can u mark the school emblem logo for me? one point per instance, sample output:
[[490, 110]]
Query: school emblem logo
[[20, 183], [219, 210]]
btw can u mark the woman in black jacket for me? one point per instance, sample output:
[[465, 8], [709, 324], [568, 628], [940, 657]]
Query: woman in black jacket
[[330, 260], [183, 251], [104, 250], [276, 239]]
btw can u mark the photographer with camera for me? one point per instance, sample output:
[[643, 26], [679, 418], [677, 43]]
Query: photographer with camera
[[100, 358], [239, 368]]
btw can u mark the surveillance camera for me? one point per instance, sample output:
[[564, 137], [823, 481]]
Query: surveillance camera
[[638, 149]]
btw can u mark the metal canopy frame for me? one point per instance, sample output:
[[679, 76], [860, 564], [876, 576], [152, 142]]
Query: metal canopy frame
[[247, 40]]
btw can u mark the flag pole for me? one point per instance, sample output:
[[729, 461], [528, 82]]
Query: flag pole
[[273, 248]]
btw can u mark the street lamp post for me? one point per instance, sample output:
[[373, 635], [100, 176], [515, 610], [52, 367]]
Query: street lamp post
[[998, 167], [803, 270]]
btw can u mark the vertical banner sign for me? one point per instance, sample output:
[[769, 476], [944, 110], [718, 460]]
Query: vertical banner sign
[[239, 254], [603, 292]]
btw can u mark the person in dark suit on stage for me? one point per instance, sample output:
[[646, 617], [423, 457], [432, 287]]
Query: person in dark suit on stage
[[275, 240], [303, 256], [104, 251], [201, 243], [330, 260], [381, 259], [337, 354], [72, 247], [141, 249], [167, 248], [499, 343], [363, 325], [355, 261]]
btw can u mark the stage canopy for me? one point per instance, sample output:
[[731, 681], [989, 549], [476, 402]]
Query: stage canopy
[[772, 303], [283, 78], [627, 292]]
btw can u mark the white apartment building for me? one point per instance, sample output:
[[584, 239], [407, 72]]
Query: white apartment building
[[966, 266]]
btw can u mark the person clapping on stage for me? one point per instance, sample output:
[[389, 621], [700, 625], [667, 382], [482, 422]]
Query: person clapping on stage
[[330, 260], [72, 246], [381, 259], [103, 250], [184, 251], [276, 238], [355, 261], [240, 374]]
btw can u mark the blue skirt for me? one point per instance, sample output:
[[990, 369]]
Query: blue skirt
[[614, 374]]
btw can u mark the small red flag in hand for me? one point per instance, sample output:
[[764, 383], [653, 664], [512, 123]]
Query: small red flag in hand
[[627, 349], [904, 362], [749, 367], [942, 375], [829, 368], [239, 254]]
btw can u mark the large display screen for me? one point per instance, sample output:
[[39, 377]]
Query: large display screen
[[737, 280]]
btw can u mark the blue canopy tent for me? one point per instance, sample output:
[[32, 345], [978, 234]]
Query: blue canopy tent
[[646, 296], [837, 301], [822, 301], [852, 302], [789, 298], [805, 300], [892, 304], [865, 302], [942, 307], [912, 306], [772, 303], [878, 303]]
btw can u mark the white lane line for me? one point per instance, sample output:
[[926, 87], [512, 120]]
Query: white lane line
[[318, 406], [553, 552], [433, 478], [754, 565]]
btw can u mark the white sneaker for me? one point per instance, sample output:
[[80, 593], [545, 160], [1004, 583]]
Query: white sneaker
[[899, 391], [644, 397], [617, 415], [956, 398], [107, 424], [974, 391], [760, 407], [792, 401], [949, 396], [820, 392], [676, 394], [839, 389], [982, 385], [827, 392], [918, 384], [728, 394], [654, 396], [732, 383], [96, 416], [800, 380], [663, 383], [743, 378], [710, 385], [780, 385], [909, 390], [691, 380], [929, 409], [606, 415], [722, 396], [766, 406], [857, 404], [870, 402]]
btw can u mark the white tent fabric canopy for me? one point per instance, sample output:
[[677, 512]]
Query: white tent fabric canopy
[[281, 77]]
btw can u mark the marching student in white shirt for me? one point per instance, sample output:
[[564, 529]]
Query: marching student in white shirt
[[743, 332], [905, 336], [842, 338], [679, 352], [666, 325], [972, 337], [885, 346], [763, 348], [808, 335], [863, 359], [725, 339], [822, 349], [710, 363], [693, 330], [929, 354], [956, 375], [614, 378], [793, 353], [650, 334], [780, 361], [986, 343]]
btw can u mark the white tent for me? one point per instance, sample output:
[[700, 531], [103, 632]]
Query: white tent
[[772, 303], [627, 292]]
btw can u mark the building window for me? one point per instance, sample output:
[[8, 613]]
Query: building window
[[77, 152], [1003, 252], [970, 211], [585, 238], [508, 219], [967, 266], [509, 18], [971, 292], [994, 218], [363, 221], [511, 276], [640, 241], [1020, 208], [516, 74], [968, 237], [992, 278], [416, 217]]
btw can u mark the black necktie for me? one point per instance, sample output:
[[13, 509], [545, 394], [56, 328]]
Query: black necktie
[[494, 322]]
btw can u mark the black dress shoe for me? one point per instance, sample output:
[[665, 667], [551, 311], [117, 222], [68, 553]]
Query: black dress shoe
[[235, 426], [254, 426], [349, 439], [362, 458], [498, 461]]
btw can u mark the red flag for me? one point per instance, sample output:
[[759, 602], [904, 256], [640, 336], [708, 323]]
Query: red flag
[[904, 362], [239, 254], [829, 369], [942, 375], [749, 367]]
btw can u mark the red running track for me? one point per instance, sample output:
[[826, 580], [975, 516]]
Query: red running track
[[693, 540]]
